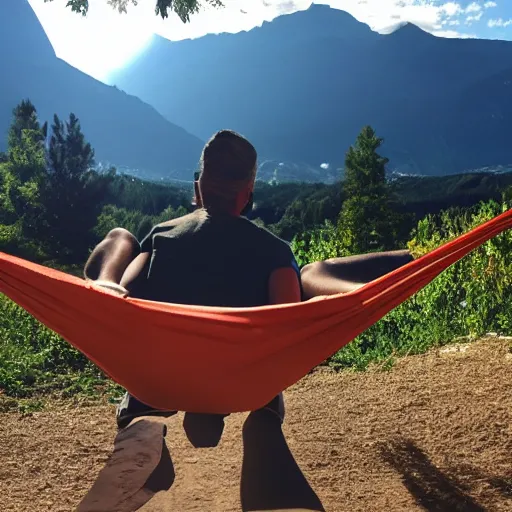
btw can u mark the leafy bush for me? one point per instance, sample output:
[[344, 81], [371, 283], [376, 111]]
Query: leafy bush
[[35, 360], [134, 221], [318, 245], [470, 298]]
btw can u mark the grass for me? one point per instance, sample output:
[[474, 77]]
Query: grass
[[36, 363]]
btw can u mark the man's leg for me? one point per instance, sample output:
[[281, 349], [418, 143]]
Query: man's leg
[[343, 275], [271, 478], [204, 430], [130, 409], [140, 464], [111, 257], [107, 265], [139, 467]]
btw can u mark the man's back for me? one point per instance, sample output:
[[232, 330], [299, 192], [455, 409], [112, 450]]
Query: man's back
[[219, 260]]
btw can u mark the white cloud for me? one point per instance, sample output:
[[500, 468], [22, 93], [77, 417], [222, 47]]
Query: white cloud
[[452, 34], [499, 22], [382, 15], [471, 19], [473, 7], [451, 9], [490, 5]]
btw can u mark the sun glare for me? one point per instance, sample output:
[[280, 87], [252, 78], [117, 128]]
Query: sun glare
[[99, 43]]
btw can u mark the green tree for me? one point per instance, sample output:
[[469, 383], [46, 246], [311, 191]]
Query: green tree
[[72, 193], [366, 220], [183, 8], [24, 118], [365, 169], [25, 141], [22, 174], [135, 221]]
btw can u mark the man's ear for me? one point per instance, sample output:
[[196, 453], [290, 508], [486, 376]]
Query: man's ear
[[249, 203], [197, 195], [250, 192]]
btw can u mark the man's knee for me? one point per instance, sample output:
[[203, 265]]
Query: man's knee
[[312, 268], [121, 234], [111, 256]]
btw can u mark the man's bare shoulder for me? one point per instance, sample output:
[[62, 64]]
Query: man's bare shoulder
[[184, 219]]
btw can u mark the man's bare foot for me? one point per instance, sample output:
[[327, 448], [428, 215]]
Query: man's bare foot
[[113, 288], [139, 467]]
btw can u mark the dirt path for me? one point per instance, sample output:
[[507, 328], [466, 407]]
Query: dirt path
[[434, 433]]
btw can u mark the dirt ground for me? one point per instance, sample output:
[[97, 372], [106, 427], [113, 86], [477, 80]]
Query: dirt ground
[[434, 433]]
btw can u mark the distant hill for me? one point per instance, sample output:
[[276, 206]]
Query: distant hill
[[123, 130], [297, 207], [302, 86]]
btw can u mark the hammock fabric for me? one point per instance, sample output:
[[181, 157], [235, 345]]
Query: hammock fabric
[[216, 360]]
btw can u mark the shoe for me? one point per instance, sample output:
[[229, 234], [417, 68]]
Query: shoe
[[131, 408], [276, 406]]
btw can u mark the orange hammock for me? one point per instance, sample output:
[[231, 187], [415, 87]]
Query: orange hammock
[[216, 360]]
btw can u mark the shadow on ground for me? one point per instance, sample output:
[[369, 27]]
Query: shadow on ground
[[433, 489]]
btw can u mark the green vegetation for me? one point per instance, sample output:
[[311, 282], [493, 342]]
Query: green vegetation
[[471, 298], [35, 362], [54, 208]]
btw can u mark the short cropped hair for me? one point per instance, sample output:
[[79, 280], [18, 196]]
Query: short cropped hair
[[228, 165]]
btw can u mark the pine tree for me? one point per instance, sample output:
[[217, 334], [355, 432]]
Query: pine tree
[[70, 157], [365, 169], [24, 118], [23, 171], [72, 191], [365, 221], [26, 142]]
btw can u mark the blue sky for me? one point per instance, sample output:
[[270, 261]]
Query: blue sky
[[106, 40]]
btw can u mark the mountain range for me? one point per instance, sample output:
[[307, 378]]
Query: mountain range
[[302, 86], [123, 130]]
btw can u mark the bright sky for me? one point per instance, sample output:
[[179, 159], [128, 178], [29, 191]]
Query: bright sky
[[106, 40]]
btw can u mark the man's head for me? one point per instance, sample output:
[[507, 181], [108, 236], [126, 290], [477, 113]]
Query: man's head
[[228, 171]]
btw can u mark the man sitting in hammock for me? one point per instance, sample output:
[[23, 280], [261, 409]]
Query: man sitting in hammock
[[216, 257], [211, 257]]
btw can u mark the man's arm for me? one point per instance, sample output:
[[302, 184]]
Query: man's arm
[[135, 275], [284, 286]]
